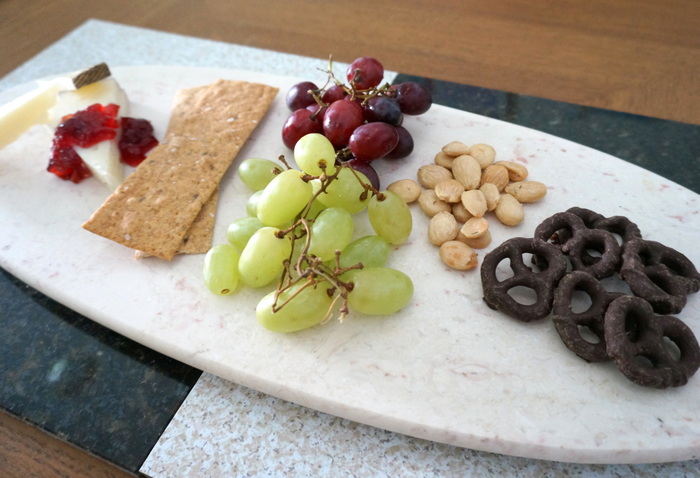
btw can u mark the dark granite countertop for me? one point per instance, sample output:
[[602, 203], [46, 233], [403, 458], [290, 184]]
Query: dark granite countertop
[[114, 397]]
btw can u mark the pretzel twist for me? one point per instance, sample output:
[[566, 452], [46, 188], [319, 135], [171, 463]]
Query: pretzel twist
[[659, 274], [577, 240], [569, 323], [542, 282], [636, 340]]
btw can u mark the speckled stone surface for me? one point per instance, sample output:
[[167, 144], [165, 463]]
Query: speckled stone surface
[[81, 381], [121, 45], [224, 429]]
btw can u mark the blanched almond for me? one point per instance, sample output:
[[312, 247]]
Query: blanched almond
[[516, 171], [467, 171], [431, 204], [460, 212], [407, 189], [474, 227], [476, 242], [495, 174], [475, 202], [443, 227], [431, 174], [455, 148], [458, 255], [443, 159], [449, 190], [527, 191], [509, 210], [485, 154], [491, 193]]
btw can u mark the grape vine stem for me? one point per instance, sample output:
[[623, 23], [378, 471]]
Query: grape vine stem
[[310, 268]]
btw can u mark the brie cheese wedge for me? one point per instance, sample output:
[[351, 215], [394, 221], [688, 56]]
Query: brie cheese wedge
[[103, 159]]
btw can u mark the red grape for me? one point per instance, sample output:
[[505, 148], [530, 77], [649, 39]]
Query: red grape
[[404, 146], [317, 111], [297, 125], [381, 108], [340, 120], [413, 98], [298, 95], [366, 169], [365, 73], [333, 94], [373, 141]]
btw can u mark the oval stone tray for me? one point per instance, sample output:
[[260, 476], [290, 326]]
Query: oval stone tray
[[446, 368]]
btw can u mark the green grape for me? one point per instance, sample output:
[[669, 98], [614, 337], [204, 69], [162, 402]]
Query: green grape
[[332, 230], [315, 209], [256, 173], [241, 230], [262, 258], [308, 308], [297, 248], [390, 218], [316, 205], [371, 251], [380, 291], [251, 206], [313, 150], [220, 269], [284, 198], [345, 192]]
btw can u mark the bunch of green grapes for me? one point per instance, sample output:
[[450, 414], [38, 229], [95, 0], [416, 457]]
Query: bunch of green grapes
[[300, 233]]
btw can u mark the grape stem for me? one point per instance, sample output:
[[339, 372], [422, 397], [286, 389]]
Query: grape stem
[[310, 268], [350, 90]]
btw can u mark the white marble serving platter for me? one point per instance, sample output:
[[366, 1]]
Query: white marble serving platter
[[446, 368]]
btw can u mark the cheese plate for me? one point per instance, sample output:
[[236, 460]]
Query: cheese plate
[[445, 368]]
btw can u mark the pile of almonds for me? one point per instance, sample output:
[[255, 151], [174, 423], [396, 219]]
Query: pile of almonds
[[456, 192]]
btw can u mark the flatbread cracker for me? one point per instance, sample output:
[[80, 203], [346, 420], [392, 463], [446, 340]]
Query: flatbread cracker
[[154, 208], [197, 240]]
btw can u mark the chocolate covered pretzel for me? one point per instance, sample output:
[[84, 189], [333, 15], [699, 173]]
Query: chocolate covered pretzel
[[620, 225], [577, 240], [661, 275], [569, 324], [542, 281], [636, 340], [658, 351]]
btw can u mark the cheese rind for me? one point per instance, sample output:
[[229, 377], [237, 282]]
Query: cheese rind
[[102, 92]]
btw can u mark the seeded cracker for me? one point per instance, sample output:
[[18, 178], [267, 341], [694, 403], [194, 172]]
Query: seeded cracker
[[154, 208]]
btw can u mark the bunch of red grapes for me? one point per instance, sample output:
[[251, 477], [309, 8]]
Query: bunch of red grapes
[[362, 119]]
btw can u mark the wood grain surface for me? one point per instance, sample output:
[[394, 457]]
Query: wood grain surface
[[635, 56], [26, 451]]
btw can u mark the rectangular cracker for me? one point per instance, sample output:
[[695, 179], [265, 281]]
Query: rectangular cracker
[[197, 240], [155, 207], [198, 237]]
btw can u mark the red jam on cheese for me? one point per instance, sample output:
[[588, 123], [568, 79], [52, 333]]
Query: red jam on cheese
[[85, 128], [137, 140], [93, 125]]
